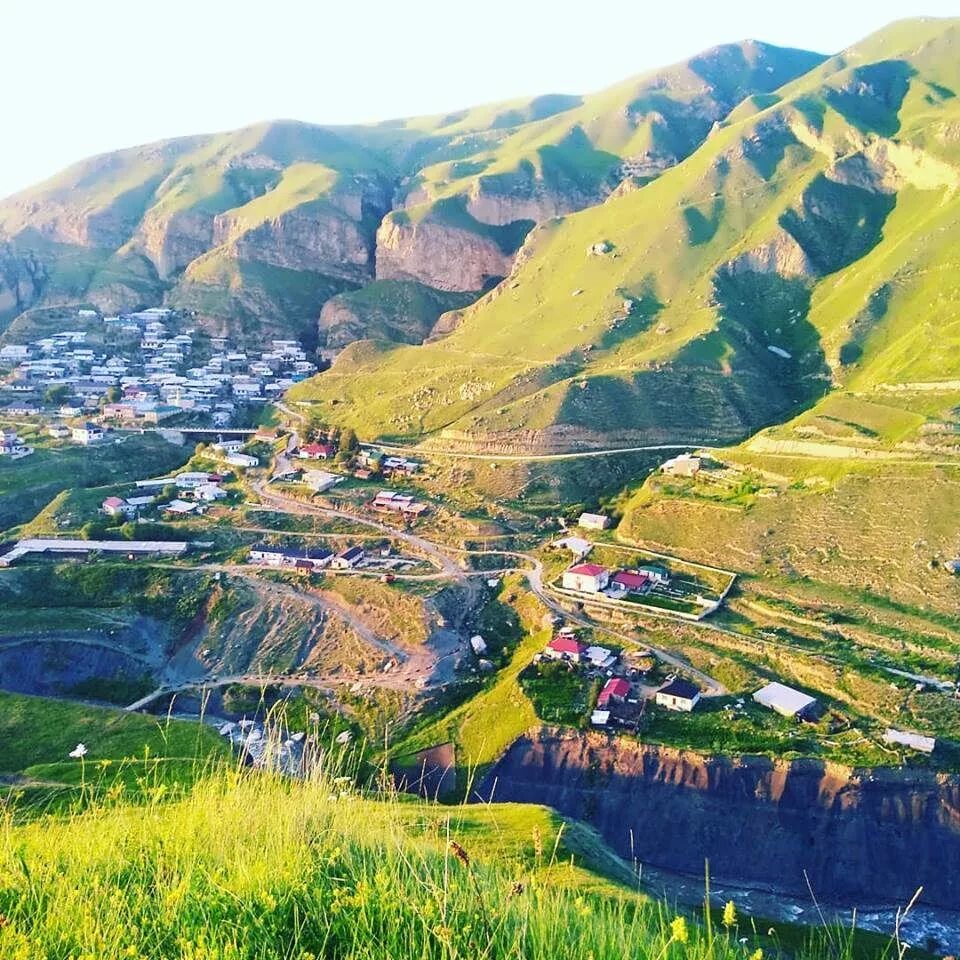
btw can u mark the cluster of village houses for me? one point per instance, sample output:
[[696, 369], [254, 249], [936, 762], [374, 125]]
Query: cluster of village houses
[[618, 702], [620, 699], [597, 580], [195, 490], [157, 377]]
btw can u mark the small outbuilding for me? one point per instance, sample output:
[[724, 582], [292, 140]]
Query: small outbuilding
[[786, 701], [914, 741], [593, 521]]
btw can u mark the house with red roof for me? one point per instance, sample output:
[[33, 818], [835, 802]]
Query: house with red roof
[[631, 581], [116, 507], [586, 578], [316, 451], [616, 689], [565, 647]]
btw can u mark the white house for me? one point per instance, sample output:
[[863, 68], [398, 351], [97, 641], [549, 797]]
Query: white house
[[188, 480], [600, 657], [266, 555], [181, 507], [58, 431], [242, 460], [209, 492], [87, 434], [229, 446], [679, 695], [117, 507], [683, 466], [347, 559], [586, 578], [478, 645], [656, 573], [593, 521], [576, 545], [14, 352], [320, 480]]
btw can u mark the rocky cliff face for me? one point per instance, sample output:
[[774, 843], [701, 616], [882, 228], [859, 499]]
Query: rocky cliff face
[[173, 241], [22, 277], [521, 196], [861, 836], [440, 255], [334, 236]]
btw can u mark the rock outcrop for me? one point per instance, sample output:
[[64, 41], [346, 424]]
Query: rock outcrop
[[22, 278], [399, 310], [861, 836], [172, 241], [438, 254]]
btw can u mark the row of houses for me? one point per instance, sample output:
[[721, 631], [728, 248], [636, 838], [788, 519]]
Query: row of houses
[[594, 578], [305, 559], [13, 446]]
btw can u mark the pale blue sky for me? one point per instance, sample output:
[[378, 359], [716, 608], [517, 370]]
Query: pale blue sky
[[83, 76]]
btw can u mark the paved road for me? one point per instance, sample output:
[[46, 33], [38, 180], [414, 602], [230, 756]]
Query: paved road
[[427, 452]]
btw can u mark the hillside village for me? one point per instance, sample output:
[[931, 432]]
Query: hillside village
[[576, 677], [132, 370]]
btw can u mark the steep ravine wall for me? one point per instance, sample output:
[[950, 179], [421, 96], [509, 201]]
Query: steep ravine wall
[[863, 836]]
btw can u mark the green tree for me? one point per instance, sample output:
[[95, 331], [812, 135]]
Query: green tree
[[114, 394], [348, 441], [56, 394], [317, 429]]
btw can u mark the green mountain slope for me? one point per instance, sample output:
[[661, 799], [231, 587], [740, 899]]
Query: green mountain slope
[[621, 137], [809, 242]]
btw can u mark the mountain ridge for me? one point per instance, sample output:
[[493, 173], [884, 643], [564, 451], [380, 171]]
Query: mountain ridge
[[720, 297], [212, 222]]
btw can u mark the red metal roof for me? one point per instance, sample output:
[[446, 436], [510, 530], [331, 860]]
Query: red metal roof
[[615, 687], [632, 581], [566, 645], [317, 449], [588, 569]]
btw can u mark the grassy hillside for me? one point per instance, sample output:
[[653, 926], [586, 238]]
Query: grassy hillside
[[247, 866], [28, 485], [799, 247], [646, 124]]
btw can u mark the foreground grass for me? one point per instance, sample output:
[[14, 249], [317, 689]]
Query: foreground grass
[[251, 866]]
